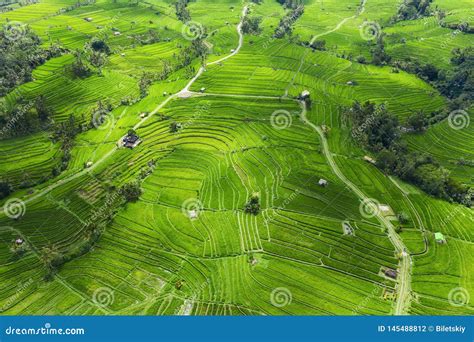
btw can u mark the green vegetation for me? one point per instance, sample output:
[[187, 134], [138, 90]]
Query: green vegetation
[[20, 53], [285, 26], [250, 25], [413, 9], [253, 205]]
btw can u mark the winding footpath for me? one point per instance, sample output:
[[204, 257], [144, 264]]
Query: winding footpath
[[404, 274], [182, 93]]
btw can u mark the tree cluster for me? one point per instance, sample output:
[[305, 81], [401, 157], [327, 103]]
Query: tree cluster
[[20, 53], [182, 11], [131, 191], [286, 23], [457, 85], [251, 25]]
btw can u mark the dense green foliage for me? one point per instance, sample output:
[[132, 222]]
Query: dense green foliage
[[240, 185], [20, 53], [131, 191], [253, 205]]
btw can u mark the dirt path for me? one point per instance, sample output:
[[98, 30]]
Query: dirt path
[[337, 27]]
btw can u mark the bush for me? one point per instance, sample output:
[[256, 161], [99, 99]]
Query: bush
[[403, 218], [376, 129]]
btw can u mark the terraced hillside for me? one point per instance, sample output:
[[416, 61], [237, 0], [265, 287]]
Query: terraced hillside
[[249, 188]]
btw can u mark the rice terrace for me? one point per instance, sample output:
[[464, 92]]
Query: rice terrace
[[224, 157]]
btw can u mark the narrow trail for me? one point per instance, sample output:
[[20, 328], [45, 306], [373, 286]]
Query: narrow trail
[[98, 162], [404, 275]]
